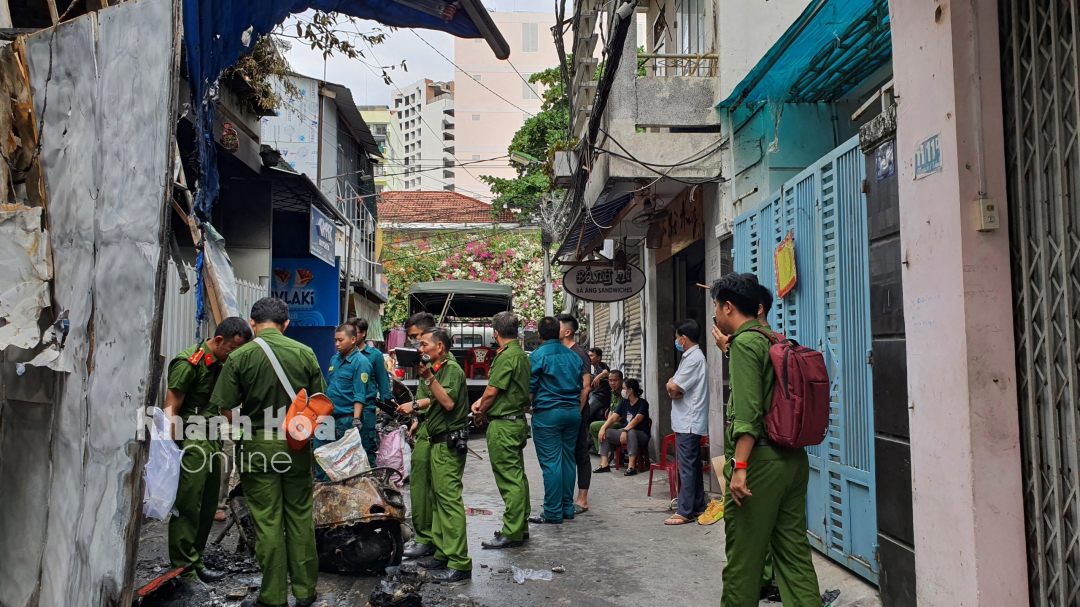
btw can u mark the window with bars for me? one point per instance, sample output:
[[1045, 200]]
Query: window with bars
[[690, 23]]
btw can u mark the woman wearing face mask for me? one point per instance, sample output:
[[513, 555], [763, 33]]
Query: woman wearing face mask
[[633, 411]]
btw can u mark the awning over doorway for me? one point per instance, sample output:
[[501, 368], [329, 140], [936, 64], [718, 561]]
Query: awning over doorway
[[591, 226], [831, 48], [292, 191]]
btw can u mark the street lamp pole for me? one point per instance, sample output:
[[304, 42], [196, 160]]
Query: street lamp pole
[[545, 244]]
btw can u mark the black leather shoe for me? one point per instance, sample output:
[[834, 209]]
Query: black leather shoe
[[450, 576], [601, 469], [307, 602], [630, 472], [209, 575], [431, 564], [500, 541], [418, 550], [540, 520]]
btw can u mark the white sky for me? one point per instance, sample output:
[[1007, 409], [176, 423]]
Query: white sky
[[366, 83]]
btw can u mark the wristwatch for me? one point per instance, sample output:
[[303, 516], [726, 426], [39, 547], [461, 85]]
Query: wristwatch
[[427, 382], [737, 465]]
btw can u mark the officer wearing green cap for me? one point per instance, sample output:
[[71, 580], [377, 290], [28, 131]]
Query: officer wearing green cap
[[276, 480], [193, 374], [503, 404], [765, 503], [444, 396]]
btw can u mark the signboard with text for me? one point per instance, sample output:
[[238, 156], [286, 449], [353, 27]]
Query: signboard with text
[[603, 283], [928, 156], [323, 236], [684, 225], [310, 288]]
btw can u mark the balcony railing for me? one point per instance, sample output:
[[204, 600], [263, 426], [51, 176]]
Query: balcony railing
[[658, 64]]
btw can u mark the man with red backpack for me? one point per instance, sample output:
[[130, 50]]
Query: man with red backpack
[[765, 497]]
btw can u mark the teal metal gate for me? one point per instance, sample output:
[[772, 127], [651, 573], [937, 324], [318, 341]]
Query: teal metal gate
[[828, 310]]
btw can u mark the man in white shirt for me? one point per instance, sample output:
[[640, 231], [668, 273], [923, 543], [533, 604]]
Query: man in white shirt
[[689, 392]]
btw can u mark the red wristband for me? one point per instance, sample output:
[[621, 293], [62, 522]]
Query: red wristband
[[740, 465]]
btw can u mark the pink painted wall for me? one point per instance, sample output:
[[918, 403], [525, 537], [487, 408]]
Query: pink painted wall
[[490, 136], [965, 435]]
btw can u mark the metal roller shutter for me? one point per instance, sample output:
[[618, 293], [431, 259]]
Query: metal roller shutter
[[633, 353], [1041, 90], [601, 319]]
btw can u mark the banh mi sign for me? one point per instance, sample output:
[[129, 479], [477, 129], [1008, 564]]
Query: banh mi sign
[[603, 283]]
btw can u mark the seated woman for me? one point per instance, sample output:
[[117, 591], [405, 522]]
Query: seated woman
[[633, 411]]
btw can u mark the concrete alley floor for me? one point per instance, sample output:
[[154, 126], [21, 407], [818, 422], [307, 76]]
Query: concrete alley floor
[[617, 554]]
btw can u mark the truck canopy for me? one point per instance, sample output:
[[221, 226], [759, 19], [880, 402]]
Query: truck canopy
[[468, 299]]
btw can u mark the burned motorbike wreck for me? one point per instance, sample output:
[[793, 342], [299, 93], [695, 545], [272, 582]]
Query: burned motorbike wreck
[[360, 523]]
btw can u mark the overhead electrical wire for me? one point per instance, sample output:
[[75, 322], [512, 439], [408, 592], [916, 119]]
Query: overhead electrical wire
[[470, 75], [427, 124], [535, 90]]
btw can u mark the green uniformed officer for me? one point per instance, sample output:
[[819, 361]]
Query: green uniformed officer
[[765, 303], [276, 480], [350, 387], [615, 382], [503, 404], [420, 475], [380, 387], [444, 396], [192, 377], [765, 503]]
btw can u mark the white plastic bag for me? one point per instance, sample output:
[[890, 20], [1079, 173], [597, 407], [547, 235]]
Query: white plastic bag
[[520, 575], [343, 458], [162, 471]]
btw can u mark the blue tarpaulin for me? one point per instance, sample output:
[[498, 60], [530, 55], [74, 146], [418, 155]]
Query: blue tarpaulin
[[832, 47], [214, 38]]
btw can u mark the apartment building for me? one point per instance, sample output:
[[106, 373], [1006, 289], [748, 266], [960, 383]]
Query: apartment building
[[385, 127], [425, 115], [490, 121]]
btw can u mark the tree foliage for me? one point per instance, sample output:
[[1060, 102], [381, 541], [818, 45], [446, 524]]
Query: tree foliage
[[266, 62], [259, 67], [510, 258]]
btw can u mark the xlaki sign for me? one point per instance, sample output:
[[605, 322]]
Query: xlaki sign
[[603, 283], [323, 234]]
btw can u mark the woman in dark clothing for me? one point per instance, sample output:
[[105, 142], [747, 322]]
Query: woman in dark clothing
[[633, 411]]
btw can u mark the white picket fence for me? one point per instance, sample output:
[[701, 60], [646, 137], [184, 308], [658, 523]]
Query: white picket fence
[[178, 330]]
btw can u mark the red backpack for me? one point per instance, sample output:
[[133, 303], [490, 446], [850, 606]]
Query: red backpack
[[799, 415]]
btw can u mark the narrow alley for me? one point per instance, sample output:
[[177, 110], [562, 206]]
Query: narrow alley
[[617, 554]]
